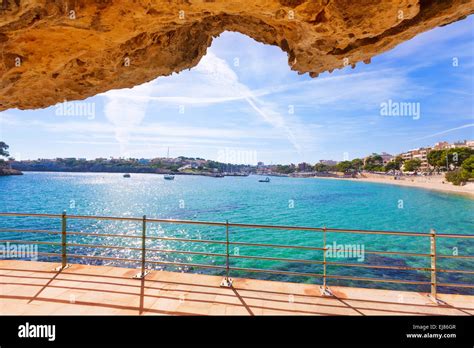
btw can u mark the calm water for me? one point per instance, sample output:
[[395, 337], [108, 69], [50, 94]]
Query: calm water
[[284, 201]]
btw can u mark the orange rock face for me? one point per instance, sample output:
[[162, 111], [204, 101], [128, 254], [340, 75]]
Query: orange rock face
[[56, 50]]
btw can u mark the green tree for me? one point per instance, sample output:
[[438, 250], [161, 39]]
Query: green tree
[[458, 155], [391, 166], [320, 167], [436, 158], [357, 164], [467, 167], [284, 169], [344, 166], [457, 177], [412, 165], [374, 162], [3, 149], [395, 164], [3, 153]]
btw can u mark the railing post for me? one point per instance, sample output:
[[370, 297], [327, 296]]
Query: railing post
[[143, 272], [64, 263], [324, 289], [433, 265], [227, 282], [324, 257]]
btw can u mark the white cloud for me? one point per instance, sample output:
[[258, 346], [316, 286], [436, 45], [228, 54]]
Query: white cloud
[[126, 108], [446, 131], [125, 113]]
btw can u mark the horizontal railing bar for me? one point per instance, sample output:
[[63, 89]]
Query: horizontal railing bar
[[138, 260], [48, 254], [103, 235], [276, 259], [32, 215], [454, 271], [413, 234], [396, 253], [99, 217], [277, 246], [456, 285], [242, 225], [102, 246], [172, 221], [10, 230], [336, 230], [378, 280], [277, 227], [461, 236], [28, 242], [185, 252], [197, 265], [147, 249], [455, 256], [378, 266], [187, 240], [256, 270], [102, 258], [184, 222], [187, 222]]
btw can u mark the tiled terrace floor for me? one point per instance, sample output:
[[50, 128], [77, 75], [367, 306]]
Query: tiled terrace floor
[[33, 288]]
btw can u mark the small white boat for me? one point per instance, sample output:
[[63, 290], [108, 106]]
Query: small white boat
[[267, 179], [126, 175], [169, 177]]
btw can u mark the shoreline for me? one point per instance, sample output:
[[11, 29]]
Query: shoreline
[[433, 183], [129, 172]]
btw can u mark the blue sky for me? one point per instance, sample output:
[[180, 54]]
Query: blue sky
[[242, 99]]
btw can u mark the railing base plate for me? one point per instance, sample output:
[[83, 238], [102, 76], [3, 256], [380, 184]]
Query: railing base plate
[[60, 268], [226, 283], [141, 275], [436, 300], [325, 291]]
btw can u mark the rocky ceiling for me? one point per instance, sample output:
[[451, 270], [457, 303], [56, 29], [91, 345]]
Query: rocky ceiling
[[56, 50]]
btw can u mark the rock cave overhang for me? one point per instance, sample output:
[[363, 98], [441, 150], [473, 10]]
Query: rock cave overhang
[[56, 50]]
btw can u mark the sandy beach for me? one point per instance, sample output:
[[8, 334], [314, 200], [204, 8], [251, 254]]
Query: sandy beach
[[434, 182]]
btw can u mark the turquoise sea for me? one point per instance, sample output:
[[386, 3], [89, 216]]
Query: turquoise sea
[[283, 201]]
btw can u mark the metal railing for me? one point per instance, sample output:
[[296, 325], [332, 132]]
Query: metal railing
[[433, 256]]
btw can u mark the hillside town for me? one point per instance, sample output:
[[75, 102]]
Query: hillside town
[[415, 161]]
